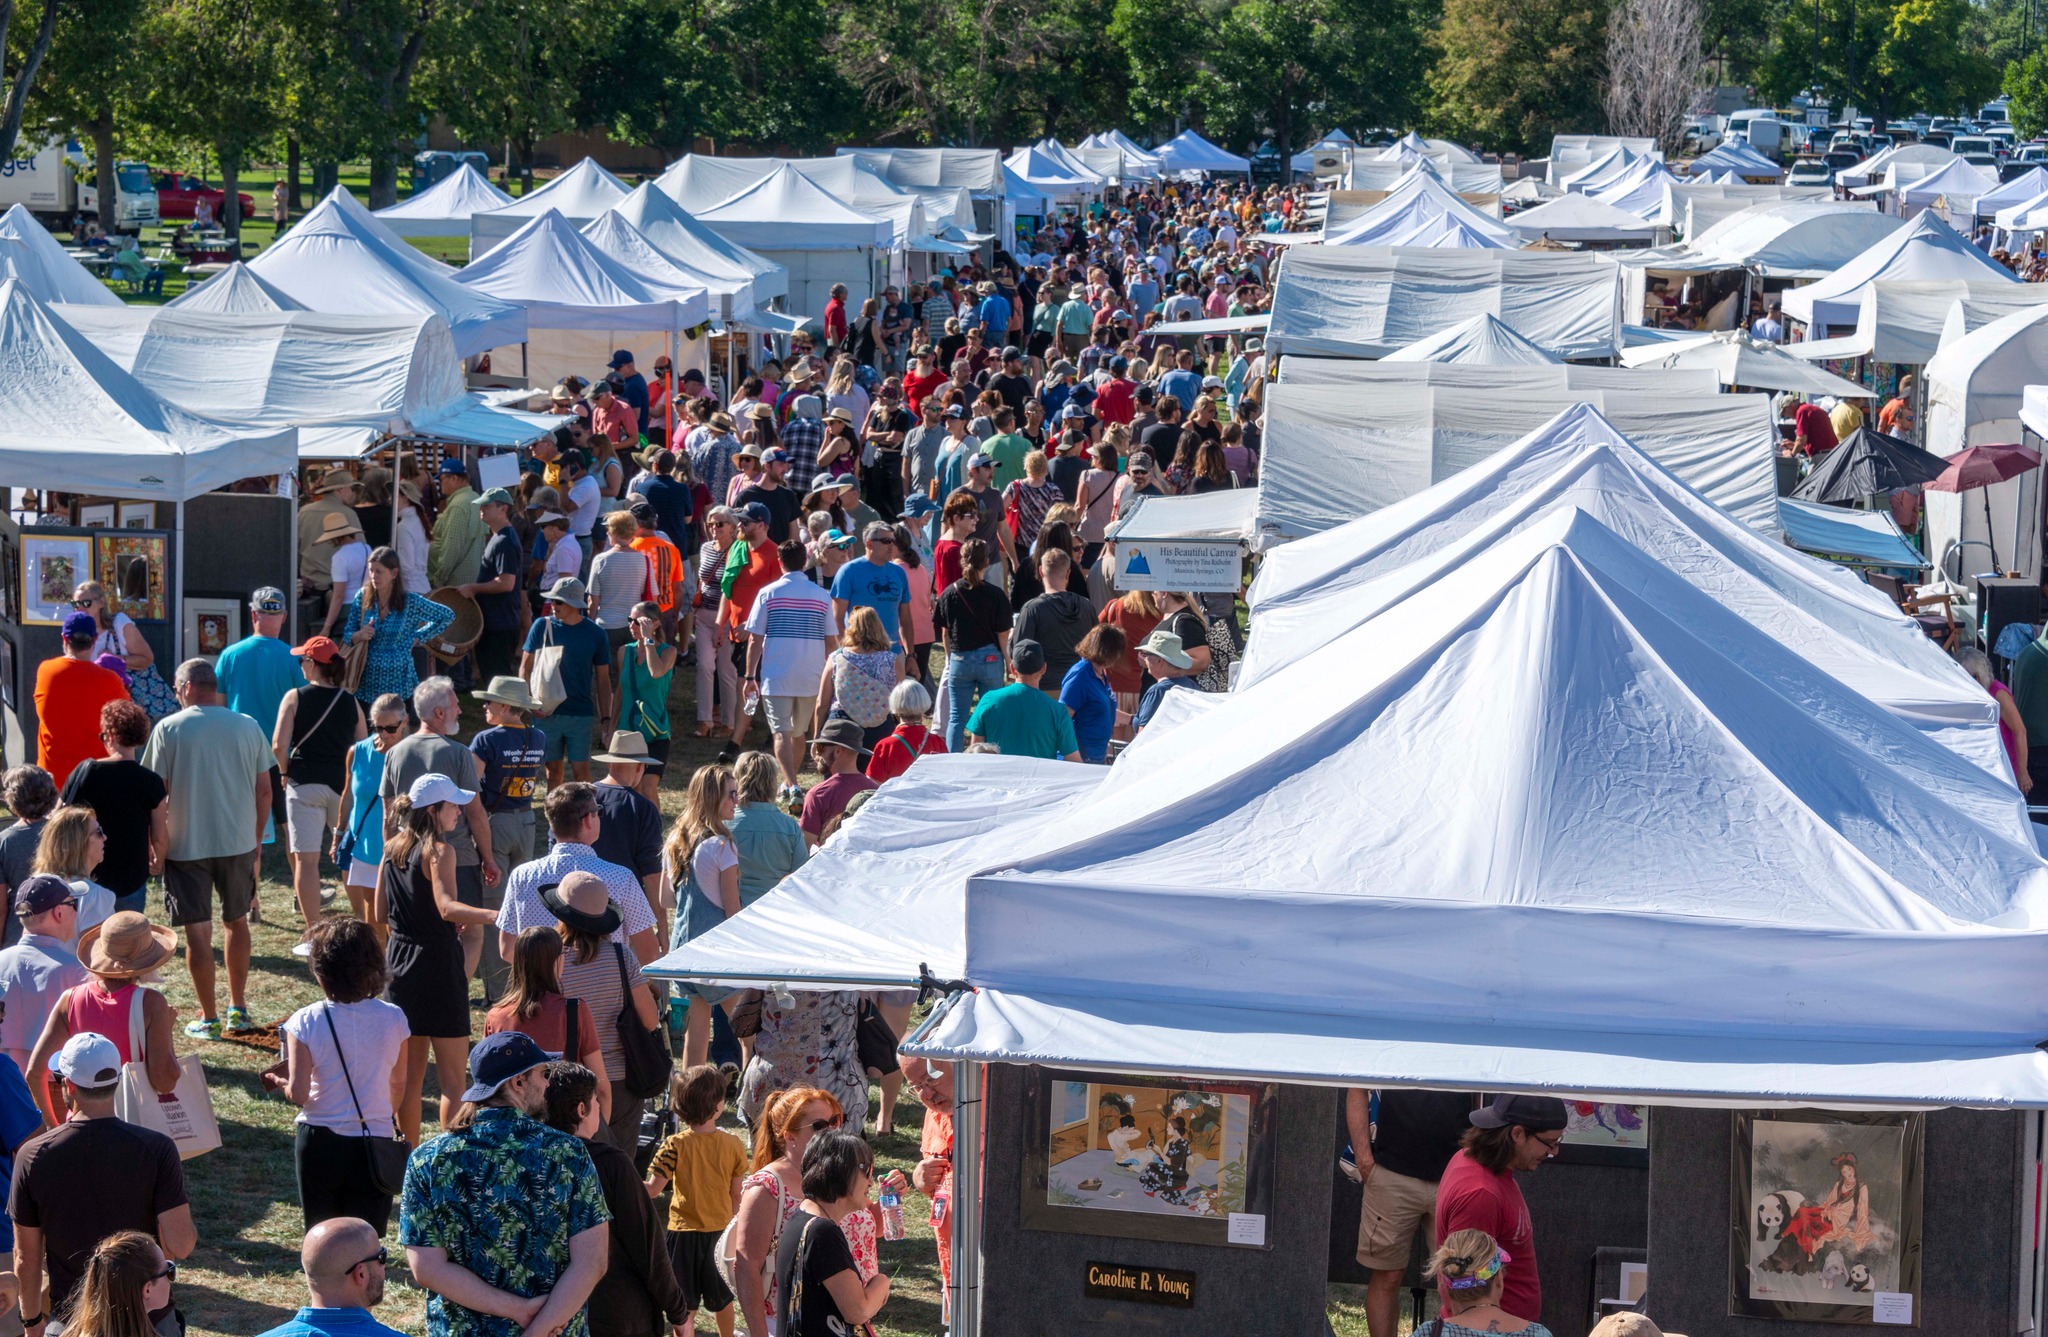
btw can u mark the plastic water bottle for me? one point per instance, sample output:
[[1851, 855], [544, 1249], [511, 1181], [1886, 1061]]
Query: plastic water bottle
[[752, 702], [892, 1213]]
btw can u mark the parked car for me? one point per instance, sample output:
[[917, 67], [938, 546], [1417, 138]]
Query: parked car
[[1987, 161], [2012, 168], [1810, 172], [178, 195], [1840, 160]]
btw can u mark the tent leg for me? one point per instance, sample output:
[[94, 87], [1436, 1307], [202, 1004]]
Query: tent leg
[[965, 1296], [178, 547], [668, 402]]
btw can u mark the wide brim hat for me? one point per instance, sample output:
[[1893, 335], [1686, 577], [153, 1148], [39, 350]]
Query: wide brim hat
[[334, 480], [583, 921], [627, 748], [334, 525], [843, 733], [125, 944], [507, 690]]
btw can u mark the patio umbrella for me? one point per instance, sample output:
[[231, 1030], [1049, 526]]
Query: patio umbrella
[[1869, 463], [1980, 467]]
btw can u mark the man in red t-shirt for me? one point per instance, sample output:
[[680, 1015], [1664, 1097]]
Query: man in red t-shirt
[[70, 690], [1117, 401], [1812, 430], [1478, 1190]]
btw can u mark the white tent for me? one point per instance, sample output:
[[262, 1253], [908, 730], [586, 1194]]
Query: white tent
[[1732, 155], [2028, 186], [1923, 157], [1466, 178], [1189, 152], [1051, 178], [1567, 379], [1332, 454], [1975, 388], [1436, 150], [1641, 190], [1608, 167], [1793, 239], [2028, 215], [1061, 155], [1529, 190], [1024, 199], [579, 195], [76, 422], [1577, 217], [820, 239], [1958, 182], [340, 259], [1739, 360], [1139, 163], [236, 290], [1906, 320], [1419, 199], [1693, 207], [1345, 301], [976, 170], [34, 258], [1439, 232], [1571, 153], [1481, 341], [1310, 592], [1925, 249], [634, 252], [742, 279], [445, 208]]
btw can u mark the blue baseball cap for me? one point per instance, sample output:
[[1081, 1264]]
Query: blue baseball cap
[[452, 465], [80, 624], [755, 513], [499, 1058]]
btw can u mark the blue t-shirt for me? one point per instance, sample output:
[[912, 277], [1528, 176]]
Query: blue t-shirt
[[509, 761], [1023, 722], [255, 674], [882, 587], [19, 1119], [1084, 693], [1183, 385], [671, 503], [1149, 702], [585, 649]]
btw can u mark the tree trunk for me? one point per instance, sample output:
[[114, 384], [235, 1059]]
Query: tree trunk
[[102, 129], [326, 175], [384, 178], [525, 146], [291, 175], [24, 75], [231, 195]]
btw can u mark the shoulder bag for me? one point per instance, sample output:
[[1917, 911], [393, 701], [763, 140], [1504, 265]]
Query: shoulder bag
[[649, 1065], [185, 1115], [345, 849], [725, 1253], [292, 755], [387, 1154], [549, 691]]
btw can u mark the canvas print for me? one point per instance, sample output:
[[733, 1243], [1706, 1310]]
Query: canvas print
[[211, 626], [131, 567], [1830, 1213], [1154, 1149], [52, 567]]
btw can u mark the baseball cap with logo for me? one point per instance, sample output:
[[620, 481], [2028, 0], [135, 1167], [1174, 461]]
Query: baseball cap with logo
[[269, 599]]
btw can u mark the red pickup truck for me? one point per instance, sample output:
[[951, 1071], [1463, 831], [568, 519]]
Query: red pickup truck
[[178, 195]]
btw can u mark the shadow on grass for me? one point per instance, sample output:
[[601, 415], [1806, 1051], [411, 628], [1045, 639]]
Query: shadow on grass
[[225, 1312]]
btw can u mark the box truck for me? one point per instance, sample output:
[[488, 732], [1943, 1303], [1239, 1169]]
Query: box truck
[[57, 183]]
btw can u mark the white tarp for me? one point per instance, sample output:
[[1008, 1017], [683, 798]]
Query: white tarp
[[1366, 302], [75, 421], [34, 258], [1869, 537], [1975, 388], [1189, 152], [445, 208], [1577, 217], [744, 279], [1529, 190], [579, 195], [1419, 200], [1481, 341], [340, 259], [1794, 239], [1310, 592], [1639, 191], [1732, 155], [1694, 207], [1332, 454], [977, 170], [236, 290], [1739, 360], [1924, 250], [786, 211]]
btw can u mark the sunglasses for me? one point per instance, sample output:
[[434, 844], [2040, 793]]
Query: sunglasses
[[170, 1272], [820, 1125], [390, 728], [83, 603], [381, 1258]]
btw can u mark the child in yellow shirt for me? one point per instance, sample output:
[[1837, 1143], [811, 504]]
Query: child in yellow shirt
[[704, 1165]]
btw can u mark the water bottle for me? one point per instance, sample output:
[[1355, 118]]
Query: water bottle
[[892, 1213], [752, 702]]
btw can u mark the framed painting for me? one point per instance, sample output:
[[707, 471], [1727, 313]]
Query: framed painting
[[138, 515], [1824, 1221], [7, 694], [131, 567], [96, 515], [51, 567], [1604, 1134], [211, 626], [1149, 1158]]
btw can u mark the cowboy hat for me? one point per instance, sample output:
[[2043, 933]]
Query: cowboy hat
[[581, 901], [840, 414], [507, 690], [334, 480], [125, 944], [628, 748], [334, 526]]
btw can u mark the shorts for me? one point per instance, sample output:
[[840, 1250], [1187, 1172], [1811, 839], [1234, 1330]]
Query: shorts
[[616, 637], [789, 714], [1395, 1207], [657, 753], [189, 888], [565, 736], [309, 811], [693, 1255], [1040, 341]]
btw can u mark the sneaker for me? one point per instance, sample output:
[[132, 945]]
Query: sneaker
[[206, 1028], [303, 950], [238, 1019]]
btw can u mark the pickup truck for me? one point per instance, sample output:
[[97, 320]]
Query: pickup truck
[[178, 195]]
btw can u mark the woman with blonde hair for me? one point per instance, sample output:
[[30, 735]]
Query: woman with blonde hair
[[702, 865], [770, 1194], [1469, 1268], [120, 636], [126, 1278], [844, 391], [71, 846], [859, 676]]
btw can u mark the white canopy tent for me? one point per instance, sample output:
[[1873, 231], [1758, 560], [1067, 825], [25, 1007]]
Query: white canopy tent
[[1420, 201], [1692, 207], [1923, 158], [1438, 232], [820, 239], [1738, 360], [1466, 178], [1577, 217], [1571, 153], [1975, 388], [340, 259], [633, 251], [1529, 190], [978, 171], [1051, 178], [1639, 191], [1136, 164], [445, 208], [1925, 249], [1905, 320], [1189, 152], [2028, 215], [34, 258], [2023, 189], [1310, 592], [742, 279], [579, 195], [1733, 155], [1368, 301], [1483, 341], [1793, 239], [1959, 183], [1332, 454], [1508, 377], [1064, 157], [1608, 167], [235, 291]]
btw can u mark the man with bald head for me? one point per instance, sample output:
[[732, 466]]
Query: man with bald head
[[343, 1259]]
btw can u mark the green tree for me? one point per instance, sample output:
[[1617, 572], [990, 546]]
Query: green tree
[[656, 80], [2026, 83], [90, 65], [1512, 73], [1281, 62], [26, 57], [217, 64], [1168, 45], [789, 92], [507, 72], [1901, 56], [1735, 37]]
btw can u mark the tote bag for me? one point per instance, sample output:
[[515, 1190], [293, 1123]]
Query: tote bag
[[185, 1115], [549, 691]]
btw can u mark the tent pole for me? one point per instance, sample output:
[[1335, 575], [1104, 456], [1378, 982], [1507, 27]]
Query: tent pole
[[668, 401], [967, 1157], [178, 547]]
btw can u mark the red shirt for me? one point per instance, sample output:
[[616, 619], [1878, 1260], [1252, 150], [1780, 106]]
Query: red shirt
[[829, 797], [616, 419], [894, 754], [946, 567], [917, 385], [1812, 422], [763, 567], [69, 694], [835, 320], [1471, 1197], [1117, 401]]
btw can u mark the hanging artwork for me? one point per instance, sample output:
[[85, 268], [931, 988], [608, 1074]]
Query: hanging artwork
[[1825, 1219], [138, 515], [211, 626], [99, 515], [131, 567], [1596, 1133], [51, 567]]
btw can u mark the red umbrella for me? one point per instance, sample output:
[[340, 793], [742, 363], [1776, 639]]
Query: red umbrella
[[1981, 466]]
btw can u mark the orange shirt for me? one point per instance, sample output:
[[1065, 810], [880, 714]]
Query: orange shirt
[[668, 569], [69, 694], [763, 566]]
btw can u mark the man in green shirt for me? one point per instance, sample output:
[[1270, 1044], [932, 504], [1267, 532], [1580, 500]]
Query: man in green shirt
[[457, 549], [1020, 720], [1007, 448], [2030, 694]]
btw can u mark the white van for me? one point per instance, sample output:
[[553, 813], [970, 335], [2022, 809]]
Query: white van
[[1760, 128]]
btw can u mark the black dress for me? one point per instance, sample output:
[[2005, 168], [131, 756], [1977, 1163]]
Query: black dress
[[425, 955]]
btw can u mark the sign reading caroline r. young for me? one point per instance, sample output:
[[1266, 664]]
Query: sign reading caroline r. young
[[1146, 1285], [1192, 566]]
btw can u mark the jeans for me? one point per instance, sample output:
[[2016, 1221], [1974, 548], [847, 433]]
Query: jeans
[[965, 672]]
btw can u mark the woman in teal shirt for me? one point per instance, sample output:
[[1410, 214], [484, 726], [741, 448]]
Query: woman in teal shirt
[[646, 664]]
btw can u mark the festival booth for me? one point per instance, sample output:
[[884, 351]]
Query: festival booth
[[1608, 168], [340, 259], [1131, 164], [737, 277], [1484, 341], [820, 239], [1692, 207], [38, 261], [1798, 239], [235, 291], [579, 195], [1583, 218], [1896, 161], [1926, 249], [1742, 362], [1694, 977], [445, 208], [1188, 154], [1196, 543], [1332, 454], [2023, 189], [1570, 154], [1954, 188], [122, 476], [1418, 202], [1733, 155], [1639, 191], [1975, 387], [1367, 301], [1052, 179]]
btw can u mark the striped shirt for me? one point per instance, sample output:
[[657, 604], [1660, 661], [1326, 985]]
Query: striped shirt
[[793, 618], [596, 984], [524, 910]]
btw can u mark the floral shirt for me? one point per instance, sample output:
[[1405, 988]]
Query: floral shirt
[[861, 683], [502, 1197]]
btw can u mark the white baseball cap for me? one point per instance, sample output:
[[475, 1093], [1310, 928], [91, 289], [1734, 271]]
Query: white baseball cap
[[432, 788], [88, 1060]]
